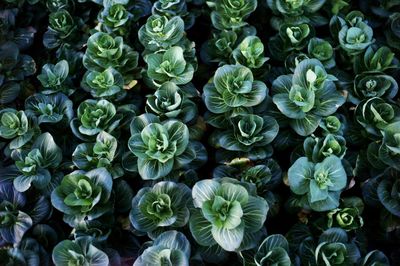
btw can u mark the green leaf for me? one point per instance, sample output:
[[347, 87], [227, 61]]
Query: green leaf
[[255, 213], [307, 125], [332, 165], [228, 239], [204, 190], [329, 101], [16, 231], [201, 228], [316, 193], [274, 249], [173, 240], [287, 107], [67, 252], [387, 190], [179, 133], [300, 174], [52, 154], [232, 192], [150, 169], [330, 203]]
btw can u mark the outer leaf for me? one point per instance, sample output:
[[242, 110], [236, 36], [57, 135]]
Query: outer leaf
[[228, 239], [52, 154], [201, 228], [204, 190], [255, 213], [299, 175], [153, 169]]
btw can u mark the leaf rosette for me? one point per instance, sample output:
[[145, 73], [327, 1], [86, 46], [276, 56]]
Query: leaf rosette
[[80, 251], [318, 184], [52, 108], [170, 65], [226, 214], [160, 147], [161, 32], [84, 195], [169, 102], [170, 248], [231, 14], [161, 207], [306, 96], [233, 87], [274, 250], [93, 116], [247, 132]]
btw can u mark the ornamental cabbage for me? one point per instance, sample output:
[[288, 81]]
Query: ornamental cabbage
[[159, 32], [273, 251]]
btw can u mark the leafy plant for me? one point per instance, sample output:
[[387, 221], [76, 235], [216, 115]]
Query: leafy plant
[[15, 126], [348, 217], [226, 214], [164, 206], [355, 34], [33, 167], [389, 151], [52, 108], [169, 66], [317, 149], [233, 87], [306, 96], [250, 53], [375, 114], [102, 153], [93, 116], [159, 32], [318, 184], [14, 222], [274, 249], [104, 84], [333, 248], [54, 78], [370, 85], [83, 195], [230, 14], [78, 251], [160, 148], [104, 51], [170, 247], [199, 132], [248, 133], [169, 102]]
